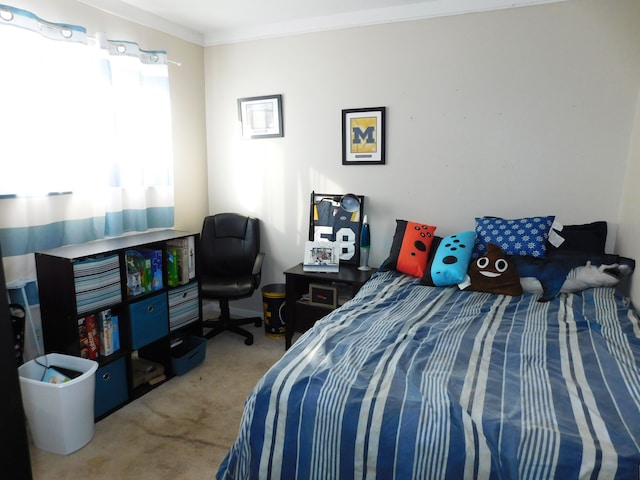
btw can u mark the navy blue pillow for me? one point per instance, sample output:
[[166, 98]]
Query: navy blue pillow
[[586, 238]]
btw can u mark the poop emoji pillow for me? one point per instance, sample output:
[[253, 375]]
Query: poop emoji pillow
[[493, 272]]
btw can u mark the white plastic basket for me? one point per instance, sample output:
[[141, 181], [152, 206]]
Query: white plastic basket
[[60, 416]]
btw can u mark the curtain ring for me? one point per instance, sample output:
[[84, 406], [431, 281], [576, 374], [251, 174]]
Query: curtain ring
[[6, 14]]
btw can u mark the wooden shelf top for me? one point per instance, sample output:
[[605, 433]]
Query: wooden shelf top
[[107, 245], [348, 274]]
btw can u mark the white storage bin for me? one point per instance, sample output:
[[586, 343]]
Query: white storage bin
[[60, 416]]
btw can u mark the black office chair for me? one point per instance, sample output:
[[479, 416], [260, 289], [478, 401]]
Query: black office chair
[[230, 268]]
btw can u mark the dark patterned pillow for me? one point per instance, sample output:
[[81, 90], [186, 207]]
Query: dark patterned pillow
[[520, 236]]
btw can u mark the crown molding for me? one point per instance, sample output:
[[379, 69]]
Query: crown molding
[[142, 17], [401, 13], [404, 13]]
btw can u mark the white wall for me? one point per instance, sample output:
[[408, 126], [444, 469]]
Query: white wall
[[629, 231], [187, 96], [513, 113], [516, 112]]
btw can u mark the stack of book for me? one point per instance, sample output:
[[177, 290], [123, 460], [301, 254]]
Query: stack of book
[[98, 334]]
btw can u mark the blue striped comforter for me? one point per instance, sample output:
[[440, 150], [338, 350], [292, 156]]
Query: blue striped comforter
[[410, 382]]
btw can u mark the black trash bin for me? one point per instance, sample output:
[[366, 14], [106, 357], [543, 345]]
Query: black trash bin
[[273, 301]]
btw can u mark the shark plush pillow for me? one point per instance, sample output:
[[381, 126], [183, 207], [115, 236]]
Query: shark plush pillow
[[567, 272], [493, 272]]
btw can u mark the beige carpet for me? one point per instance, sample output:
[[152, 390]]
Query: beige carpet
[[182, 429]]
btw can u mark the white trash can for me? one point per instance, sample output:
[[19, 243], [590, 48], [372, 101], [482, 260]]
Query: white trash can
[[59, 415]]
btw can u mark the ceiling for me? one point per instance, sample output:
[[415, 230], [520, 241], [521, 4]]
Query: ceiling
[[214, 22]]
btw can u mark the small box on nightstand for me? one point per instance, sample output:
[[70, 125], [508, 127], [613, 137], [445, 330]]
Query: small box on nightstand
[[324, 295]]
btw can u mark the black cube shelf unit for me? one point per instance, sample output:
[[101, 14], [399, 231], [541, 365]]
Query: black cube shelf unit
[[97, 280]]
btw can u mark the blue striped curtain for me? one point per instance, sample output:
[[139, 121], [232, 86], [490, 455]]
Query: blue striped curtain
[[86, 138]]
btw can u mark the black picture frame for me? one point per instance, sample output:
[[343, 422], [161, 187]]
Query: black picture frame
[[335, 218], [363, 136], [261, 117]]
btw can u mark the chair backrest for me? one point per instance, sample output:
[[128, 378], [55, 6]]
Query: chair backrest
[[229, 244]]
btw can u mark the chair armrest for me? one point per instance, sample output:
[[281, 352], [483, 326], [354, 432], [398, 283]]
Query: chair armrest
[[257, 265], [257, 270]]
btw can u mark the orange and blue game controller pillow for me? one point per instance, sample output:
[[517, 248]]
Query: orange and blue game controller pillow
[[450, 261], [410, 248]]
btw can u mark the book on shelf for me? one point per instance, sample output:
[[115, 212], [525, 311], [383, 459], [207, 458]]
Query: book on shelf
[[109, 336], [153, 269], [144, 271], [321, 256], [181, 261], [173, 276], [191, 241], [89, 337]]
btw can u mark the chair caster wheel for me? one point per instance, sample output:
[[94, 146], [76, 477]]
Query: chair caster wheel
[[248, 341]]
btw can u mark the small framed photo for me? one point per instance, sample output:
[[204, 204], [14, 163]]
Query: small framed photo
[[261, 117], [363, 139], [324, 295], [321, 256]]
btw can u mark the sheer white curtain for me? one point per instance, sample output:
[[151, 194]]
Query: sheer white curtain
[[86, 138]]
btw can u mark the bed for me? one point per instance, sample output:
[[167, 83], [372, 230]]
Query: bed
[[412, 381]]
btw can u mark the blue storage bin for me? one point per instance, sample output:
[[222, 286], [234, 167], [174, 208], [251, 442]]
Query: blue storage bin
[[111, 387], [149, 320], [188, 354]]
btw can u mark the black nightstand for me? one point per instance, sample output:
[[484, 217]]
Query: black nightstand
[[300, 315]]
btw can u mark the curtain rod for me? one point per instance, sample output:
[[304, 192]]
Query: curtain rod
[[101, 40], [25, 19]]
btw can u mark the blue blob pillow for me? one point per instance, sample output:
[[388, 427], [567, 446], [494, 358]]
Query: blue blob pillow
[[450, 262], [520, 236]]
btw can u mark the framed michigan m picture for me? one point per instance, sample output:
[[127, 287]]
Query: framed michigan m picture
[[363, 139]]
